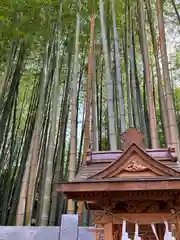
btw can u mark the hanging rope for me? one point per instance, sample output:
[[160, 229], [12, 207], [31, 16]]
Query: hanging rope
[[136, 234], [167, 235], [124, 233], [154, 231]]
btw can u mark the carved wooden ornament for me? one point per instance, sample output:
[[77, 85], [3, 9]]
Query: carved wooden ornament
[[142, 206], [135, 166]]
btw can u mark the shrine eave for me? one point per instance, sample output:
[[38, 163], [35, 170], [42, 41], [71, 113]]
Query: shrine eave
[[139, 184]]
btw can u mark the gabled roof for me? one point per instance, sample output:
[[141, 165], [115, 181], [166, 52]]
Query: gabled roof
[[135, 159], [99, 161], [135, 168]]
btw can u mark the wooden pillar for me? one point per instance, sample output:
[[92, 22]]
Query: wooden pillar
[[70, 206], [80, 206], [108, 231], [178, 228]]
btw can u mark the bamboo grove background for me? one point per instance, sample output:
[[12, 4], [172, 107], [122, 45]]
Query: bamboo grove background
[[73, 76]]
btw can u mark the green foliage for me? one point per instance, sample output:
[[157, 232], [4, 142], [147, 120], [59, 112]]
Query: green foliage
[[178, 59]]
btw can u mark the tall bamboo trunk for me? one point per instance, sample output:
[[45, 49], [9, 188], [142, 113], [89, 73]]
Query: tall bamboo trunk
[[118, 70], [63, 118], [30, 170], [126, 58], [36, 141], [172, 123], [109, 83], [133, 79], [162, 103], [95, 142], [52, 137], [149, 88], [73, 139], [88, 106]]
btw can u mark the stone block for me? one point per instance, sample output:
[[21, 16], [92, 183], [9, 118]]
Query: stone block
[[69, 227]]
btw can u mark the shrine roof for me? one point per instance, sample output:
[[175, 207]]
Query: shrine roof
[[133, 146], [108, 156], [98, 161], [133, 168]]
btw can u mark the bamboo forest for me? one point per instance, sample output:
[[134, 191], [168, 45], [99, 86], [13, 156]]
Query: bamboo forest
[[74, 75]]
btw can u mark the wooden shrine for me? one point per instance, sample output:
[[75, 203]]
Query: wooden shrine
[[138, 185]]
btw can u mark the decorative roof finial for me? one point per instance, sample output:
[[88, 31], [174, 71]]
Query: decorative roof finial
[[132, 135]]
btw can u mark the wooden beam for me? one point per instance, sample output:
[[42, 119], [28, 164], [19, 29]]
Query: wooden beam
[[118, 186], [140, 218], [98, 198]]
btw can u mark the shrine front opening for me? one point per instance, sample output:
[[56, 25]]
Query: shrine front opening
[[145, 209]]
